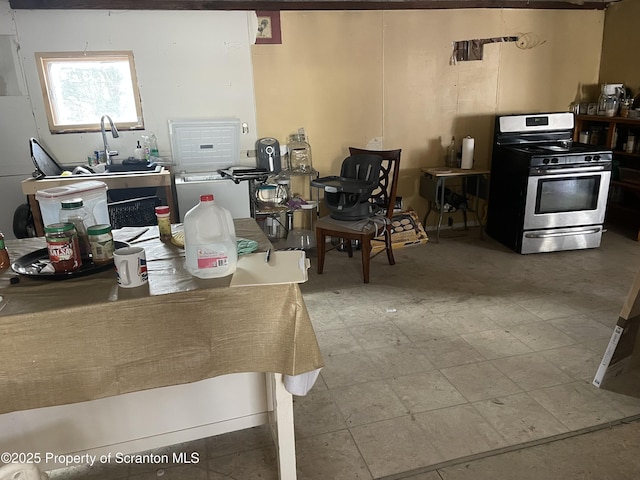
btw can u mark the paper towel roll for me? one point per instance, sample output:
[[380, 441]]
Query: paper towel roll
[[467, 153]]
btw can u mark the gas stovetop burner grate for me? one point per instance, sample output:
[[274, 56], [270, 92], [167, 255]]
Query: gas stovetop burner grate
[[578, 152]]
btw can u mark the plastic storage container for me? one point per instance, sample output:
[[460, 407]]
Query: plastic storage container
[[93, 194], [209, 240]]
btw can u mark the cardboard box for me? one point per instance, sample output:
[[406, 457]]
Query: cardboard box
[[407, 231], [619, 370]]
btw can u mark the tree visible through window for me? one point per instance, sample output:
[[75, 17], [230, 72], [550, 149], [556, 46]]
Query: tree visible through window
[[80, 87]]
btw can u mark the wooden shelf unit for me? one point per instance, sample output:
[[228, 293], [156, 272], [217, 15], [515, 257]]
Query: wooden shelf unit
[[624, 195]]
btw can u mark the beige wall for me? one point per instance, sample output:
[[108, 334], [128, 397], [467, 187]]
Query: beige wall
[[383, 79], [620, 47]]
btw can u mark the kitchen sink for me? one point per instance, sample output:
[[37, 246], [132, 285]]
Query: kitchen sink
[[48, 167], [119, 168]]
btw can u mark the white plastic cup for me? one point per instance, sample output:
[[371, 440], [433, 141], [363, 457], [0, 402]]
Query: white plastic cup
[[131, 267]]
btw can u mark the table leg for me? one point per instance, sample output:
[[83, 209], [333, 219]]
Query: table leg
[[464, 195], [37, 215], [477, 207], [281, 404], [440, 184], [426, 215]]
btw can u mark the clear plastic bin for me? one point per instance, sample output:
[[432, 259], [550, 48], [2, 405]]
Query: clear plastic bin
[[93, 194]]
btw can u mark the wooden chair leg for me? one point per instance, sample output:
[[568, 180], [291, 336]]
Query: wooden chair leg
[[347, 246], [387, 241], [320, 248], [366, 258]]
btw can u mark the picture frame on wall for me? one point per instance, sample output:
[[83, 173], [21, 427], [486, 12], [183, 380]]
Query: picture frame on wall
[[268, 28]]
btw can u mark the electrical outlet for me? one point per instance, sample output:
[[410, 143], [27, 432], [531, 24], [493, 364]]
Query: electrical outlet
[[374, 144]]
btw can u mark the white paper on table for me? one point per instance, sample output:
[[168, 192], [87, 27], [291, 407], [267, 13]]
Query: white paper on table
[[287, 266]]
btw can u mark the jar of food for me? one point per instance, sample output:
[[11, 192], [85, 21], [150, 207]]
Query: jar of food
[[101, 241], [625, 106], [74, 211], [299, 153], [63, 247], [164, 223], [4, 255]]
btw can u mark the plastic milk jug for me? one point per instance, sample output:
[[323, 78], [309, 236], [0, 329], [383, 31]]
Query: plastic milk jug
[[209, 240]]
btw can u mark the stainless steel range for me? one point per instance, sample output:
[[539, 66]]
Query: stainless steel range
[[547, 193]]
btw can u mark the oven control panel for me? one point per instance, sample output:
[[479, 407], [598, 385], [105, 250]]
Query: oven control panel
[[581, 159]]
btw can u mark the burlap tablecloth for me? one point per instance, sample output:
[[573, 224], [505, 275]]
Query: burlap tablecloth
[[86, 338]]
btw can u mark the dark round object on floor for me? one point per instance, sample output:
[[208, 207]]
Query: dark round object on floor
[[23, 226]]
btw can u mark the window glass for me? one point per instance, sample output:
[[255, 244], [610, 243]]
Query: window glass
[[80, 87]]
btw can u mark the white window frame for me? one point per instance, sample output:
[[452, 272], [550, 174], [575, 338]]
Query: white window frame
[[45, 60]]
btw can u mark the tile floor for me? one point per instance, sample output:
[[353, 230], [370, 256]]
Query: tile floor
[[461, 350]]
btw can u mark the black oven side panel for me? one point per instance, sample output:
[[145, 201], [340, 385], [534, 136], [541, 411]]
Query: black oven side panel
[[507, 196]]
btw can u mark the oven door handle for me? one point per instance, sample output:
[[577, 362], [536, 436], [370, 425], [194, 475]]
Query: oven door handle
[[563, 171], [562, 234]]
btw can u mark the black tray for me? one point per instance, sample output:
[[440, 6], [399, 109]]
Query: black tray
[[31, 264], [342, 184]]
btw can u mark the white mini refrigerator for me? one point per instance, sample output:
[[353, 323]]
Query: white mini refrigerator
[[200, 148]]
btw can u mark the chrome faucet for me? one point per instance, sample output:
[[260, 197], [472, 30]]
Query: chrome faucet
[[114, 131]]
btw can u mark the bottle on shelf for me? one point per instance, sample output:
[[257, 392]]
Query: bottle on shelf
[[5, 262], [138, 152], [452, 155], [153, 145], [631, 142], [150, 146]]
